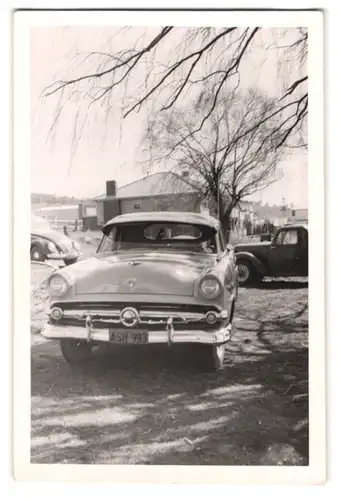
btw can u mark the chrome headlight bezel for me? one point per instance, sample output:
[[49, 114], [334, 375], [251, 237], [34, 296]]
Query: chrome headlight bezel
[[58, 285], [210, 287]]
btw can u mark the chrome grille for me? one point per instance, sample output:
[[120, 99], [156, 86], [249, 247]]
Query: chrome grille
[[109, 315]]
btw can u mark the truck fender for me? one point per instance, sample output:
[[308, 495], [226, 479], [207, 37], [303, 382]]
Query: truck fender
[[253, 259]]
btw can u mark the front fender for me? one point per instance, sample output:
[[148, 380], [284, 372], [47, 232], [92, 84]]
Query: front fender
[[259, 267], [40, 245]]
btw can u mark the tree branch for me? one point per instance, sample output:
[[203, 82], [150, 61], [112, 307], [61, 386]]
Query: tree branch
[[137, 56]]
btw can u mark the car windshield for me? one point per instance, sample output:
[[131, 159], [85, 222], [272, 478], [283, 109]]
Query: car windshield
[[157, 236], [39, 223]]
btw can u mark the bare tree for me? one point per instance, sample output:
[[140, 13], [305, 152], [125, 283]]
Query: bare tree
[[293, 53], [202, 55], [226, 163]]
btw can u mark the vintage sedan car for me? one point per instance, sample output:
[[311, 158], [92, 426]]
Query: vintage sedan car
[[285, 254], [47, 244], [159, 277]]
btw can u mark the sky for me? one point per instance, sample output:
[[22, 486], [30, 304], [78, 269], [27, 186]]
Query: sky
[[109, 147]]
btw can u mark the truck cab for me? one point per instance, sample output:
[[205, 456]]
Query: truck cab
[[286, 254]]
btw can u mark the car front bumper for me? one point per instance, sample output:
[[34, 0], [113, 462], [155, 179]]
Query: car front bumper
[[165, 336]]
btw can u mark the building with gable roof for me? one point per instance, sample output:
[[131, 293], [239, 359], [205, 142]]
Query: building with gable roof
[[159, 191]]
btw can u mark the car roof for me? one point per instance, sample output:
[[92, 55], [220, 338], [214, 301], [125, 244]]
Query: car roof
[[296, 226], [180, 217]]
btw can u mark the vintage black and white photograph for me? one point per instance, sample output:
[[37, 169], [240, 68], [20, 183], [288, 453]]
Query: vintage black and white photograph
[[168, 177]]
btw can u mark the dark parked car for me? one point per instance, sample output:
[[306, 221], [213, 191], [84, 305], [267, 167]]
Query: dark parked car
[[49, 244], [286, 254]]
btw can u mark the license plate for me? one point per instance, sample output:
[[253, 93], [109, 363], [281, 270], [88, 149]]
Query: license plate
[[123, 337]]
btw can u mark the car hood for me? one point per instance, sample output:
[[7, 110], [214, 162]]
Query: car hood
[[248, 247], [49, 234], [139, 273]]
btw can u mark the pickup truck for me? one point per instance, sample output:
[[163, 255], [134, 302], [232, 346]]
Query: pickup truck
[[286, 254]]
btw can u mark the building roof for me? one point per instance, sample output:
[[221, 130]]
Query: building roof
[[160, 183], [179, 217]]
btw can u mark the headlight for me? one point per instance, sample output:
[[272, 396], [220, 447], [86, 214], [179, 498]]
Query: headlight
[[52, 248], [76, 245], [210, 288], [58, 285]]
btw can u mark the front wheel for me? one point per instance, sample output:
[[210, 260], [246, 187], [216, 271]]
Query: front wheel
[[37, 255], [75, 351], [211, 357], [246, 273]]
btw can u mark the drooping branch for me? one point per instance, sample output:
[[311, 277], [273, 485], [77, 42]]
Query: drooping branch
[[212, 56], [134, 58], [197, 55], [128, 61], [233, 67], [294, 86]]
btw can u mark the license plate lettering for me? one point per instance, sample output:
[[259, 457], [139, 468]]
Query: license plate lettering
[[123, 337]]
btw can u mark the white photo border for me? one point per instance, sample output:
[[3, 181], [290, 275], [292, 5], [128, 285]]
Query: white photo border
[[315, 472]]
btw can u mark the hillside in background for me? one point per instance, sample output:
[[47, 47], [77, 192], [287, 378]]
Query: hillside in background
[[51, 199]]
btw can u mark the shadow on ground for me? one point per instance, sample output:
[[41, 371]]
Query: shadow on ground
[[280, 284], [154, 406]]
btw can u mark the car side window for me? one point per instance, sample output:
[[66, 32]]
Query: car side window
[[108, 242], [287, 237], [280, 238], [291, 237]]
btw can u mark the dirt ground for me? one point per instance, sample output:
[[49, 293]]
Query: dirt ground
[[152, 405]]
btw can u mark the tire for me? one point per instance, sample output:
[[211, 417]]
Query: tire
[[75, 352], [69, 262], [246, 273], [37, 255], [210, 358]]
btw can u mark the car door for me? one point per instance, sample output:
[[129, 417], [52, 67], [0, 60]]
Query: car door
[[284, 253]]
